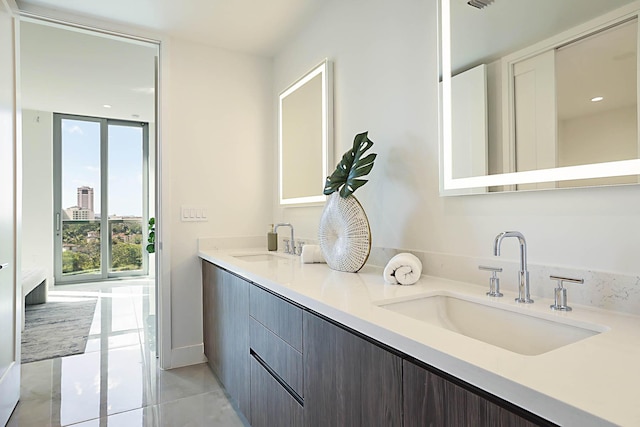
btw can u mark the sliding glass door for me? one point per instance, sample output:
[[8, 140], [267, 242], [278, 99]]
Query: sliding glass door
[[100, 198]]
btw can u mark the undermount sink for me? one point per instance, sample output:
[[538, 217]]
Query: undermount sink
[[502, 327], [259, 257]]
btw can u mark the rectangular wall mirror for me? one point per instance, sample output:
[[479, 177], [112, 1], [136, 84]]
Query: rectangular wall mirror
[[539, 95], [305, 136]]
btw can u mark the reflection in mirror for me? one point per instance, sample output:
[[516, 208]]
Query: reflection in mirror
[[305, 137], [597, 101], [518, 82]]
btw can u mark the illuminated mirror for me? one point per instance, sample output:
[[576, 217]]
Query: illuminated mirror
[[521, 88], [305, 137]]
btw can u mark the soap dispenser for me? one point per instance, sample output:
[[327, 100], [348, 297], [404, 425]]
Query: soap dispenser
[[272, 239]]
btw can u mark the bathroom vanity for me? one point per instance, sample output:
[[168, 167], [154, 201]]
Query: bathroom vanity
[[299, 344]]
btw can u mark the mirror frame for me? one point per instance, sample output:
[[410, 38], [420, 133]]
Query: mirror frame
[[325, 70], [449, 184]]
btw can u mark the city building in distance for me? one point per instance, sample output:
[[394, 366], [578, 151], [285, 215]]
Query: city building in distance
[[84, 209], [85, 198]]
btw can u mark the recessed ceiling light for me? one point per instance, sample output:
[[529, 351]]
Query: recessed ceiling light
[[135, 116], [106, 106], [597, 99]]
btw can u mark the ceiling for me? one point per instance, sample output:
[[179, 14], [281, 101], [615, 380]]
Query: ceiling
[[258, 27], [77, 72], [73, 72]]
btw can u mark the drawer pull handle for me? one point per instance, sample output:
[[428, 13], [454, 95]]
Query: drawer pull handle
[[276, 377]]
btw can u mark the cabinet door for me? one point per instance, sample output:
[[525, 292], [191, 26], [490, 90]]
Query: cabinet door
[[226, 331], [431, 400], [348, 381]]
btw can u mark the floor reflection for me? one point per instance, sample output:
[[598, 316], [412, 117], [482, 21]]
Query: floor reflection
[[117, 381]]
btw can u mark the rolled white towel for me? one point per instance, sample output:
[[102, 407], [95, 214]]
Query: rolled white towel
[[403, 269], [312, 254]]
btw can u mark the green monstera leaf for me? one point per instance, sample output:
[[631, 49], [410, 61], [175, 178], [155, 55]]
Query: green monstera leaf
[[352, 166]]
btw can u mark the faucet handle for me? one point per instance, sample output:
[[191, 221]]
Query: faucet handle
[[560, 292], [489, 268], [494, 280], [297, 249], [286, 245]]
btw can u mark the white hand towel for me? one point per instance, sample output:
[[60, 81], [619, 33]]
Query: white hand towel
[[403, 269], [312, 254]]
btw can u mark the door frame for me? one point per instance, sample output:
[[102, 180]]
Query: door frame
[[10, 379], [105, 237], [162, 175]]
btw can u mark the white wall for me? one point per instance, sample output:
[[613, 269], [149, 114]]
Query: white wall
[[386, 81], [37, 191], [217, 125], [219, 116], [219, 134]]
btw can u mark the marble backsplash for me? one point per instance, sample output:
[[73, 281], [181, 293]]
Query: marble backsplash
[[609, 291]]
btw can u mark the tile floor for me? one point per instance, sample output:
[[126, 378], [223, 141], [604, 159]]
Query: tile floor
[[117, 381]]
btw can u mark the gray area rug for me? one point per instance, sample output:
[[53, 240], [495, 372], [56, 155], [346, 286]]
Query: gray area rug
[[56, 329]]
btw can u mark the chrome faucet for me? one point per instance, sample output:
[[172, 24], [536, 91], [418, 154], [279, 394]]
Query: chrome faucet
[[293, 241], [523, 275]]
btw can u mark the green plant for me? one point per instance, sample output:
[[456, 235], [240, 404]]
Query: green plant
[[352, 167], [126, 257], [151, 247]]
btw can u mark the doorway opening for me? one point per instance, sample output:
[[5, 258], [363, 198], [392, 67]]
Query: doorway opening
[[89, 122]]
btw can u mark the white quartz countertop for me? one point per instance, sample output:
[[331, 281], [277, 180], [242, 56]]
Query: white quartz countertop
[[593, 382]]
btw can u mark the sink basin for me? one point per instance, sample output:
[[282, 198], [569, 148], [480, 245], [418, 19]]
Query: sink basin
[[259, 257], [511, 330]]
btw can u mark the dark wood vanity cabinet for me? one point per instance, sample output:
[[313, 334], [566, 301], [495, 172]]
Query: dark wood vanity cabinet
[[286, 366], [432, 400], [225, 300], [348, 381]]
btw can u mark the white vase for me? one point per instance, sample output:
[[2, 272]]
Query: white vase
[[344, 235]]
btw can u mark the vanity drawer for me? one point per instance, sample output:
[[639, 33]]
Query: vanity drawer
[[279, 316], [271, 403], [282, 359]]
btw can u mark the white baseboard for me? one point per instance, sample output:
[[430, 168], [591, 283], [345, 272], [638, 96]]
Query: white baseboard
[[189, 355]]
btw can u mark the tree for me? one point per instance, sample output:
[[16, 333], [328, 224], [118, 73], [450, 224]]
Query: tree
[[126, 256], [73, 262]]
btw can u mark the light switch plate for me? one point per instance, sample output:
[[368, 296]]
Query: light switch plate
[[190, 213]]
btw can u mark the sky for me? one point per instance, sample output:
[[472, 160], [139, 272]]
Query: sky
[[81, 165]]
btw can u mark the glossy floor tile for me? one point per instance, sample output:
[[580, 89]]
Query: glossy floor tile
[[117, 382]]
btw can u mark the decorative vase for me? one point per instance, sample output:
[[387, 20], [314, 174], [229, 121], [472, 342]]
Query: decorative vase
[[344, 235]]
